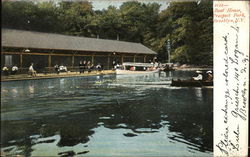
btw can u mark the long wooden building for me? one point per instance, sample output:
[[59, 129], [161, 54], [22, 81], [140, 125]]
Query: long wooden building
[[45, 50]]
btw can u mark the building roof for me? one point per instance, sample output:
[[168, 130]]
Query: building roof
[[38, 40]]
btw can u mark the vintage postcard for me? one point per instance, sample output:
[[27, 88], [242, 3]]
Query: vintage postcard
[[167, 78]]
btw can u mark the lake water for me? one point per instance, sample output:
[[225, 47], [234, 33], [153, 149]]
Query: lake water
[[106, 116]]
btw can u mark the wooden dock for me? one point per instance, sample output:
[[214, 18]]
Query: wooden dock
[[18, 77]]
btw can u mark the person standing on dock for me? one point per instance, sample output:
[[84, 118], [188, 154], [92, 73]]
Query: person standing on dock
[[32, 72], [81, 67], [57, 69], [89, 66], [84, 65], [114, 65]]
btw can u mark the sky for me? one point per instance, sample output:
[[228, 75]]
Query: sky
[[103, 4]]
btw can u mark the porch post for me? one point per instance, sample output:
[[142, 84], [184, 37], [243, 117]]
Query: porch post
[[145, 59], [49, 60], [73, 60], [21, 60], [122, 59], [108, 60], [92, 59]]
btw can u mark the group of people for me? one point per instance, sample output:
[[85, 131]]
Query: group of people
[[116, 65], [88, 66], [199, 77], [60, 68], [13, 70], [83, 66]]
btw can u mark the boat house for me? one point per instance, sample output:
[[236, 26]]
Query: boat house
[[45, 50]]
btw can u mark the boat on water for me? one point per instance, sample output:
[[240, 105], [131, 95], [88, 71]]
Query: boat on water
[[128, 68], [191, 83]]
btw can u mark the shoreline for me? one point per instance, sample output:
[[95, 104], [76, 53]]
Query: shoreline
[[22, 77], [192, 68], [186, 67]]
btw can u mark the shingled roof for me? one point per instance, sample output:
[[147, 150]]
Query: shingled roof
[[38, 40]]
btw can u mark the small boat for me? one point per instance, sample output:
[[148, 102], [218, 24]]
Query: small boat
[[190, 83], [128, 68]]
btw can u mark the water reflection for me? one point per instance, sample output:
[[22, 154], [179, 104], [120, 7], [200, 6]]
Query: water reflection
[[31, 89], [139, 115]]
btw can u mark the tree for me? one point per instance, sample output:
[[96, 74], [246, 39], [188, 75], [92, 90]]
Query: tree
[[188, 25], [74, 17], [111, 23], [184, 24], [18, 15]]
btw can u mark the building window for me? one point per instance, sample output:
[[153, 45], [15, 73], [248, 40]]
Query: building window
[[8, 60]]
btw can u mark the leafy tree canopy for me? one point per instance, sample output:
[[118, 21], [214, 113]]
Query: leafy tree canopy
[[188, 25]]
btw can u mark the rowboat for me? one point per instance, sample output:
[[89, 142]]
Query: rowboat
[[128, 68], [190, 83]]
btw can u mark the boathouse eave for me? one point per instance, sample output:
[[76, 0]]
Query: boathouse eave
[[76, 51], [59, 42]]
